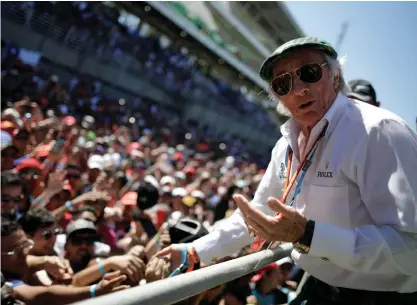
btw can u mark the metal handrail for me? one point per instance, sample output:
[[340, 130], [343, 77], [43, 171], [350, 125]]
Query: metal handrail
[[175, 289]]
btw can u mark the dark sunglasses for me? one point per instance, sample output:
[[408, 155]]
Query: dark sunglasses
[[88, 240], [22, 137], [311, 73], [48, 234], [31, 173], [75, 177], [7, 198]]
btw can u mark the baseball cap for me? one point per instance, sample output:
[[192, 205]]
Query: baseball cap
[[260, 273], [87, 122], [167, 180], [362, 90], [198, 194], [29, 163], [80, 225], [69, 121], [134, 146], [96, 161], [179, 191], [294, 45], [186, 230], [180, 175], [189, 201]]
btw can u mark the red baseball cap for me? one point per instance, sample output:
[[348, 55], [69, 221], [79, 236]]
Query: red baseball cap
[[260, 273], [29, 163], [178, 156], [191, 171], [69, 121], [134, 146]]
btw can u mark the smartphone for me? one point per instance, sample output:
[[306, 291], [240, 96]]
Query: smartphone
[[59, 144], [27, 109]]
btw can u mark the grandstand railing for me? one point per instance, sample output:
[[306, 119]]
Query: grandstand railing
[[175, 289]]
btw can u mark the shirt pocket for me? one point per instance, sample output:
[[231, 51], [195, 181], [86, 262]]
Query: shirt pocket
[[329, 204]]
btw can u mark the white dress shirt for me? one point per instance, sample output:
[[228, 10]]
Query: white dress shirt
[[361, 190]]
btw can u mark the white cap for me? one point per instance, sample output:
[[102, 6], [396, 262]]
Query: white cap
[[167, 180], [180, 175], [198, 194], [179, 191], [152, 180], [96, 161]]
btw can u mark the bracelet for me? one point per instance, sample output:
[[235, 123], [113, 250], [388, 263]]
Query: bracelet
[[100, 266], [38, 199], [93, 290], [68, 205], [193, 255]]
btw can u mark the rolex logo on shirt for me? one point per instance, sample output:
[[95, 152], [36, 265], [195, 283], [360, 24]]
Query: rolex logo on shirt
[[321, 174]]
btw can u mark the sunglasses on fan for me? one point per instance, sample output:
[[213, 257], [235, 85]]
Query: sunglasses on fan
[[311, 73], [48, 234]]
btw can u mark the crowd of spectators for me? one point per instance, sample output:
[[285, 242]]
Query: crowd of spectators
[[92, 186], [87, 200]]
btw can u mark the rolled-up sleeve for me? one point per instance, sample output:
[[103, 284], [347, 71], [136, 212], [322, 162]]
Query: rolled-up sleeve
[[233, 234], [387, 179]]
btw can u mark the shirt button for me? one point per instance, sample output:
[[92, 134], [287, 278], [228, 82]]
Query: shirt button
[[325, 259]]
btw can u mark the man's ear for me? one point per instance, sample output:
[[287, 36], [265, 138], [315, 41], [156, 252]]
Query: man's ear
[[336, 82]]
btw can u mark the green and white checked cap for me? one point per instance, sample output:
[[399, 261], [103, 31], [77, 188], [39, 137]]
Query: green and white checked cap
[[296, 44]]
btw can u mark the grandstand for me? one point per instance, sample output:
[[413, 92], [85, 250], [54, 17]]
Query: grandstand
[[165, 53]]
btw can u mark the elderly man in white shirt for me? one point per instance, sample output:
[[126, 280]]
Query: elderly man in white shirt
[[341, 185]]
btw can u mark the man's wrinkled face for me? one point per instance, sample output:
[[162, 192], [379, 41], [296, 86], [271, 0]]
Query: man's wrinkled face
[[307, 102]]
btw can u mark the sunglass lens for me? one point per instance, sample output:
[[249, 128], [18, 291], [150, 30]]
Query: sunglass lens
[[310, 73], [282, 84], [47, 235]]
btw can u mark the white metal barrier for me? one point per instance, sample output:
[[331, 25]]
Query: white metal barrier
[[175, 289]]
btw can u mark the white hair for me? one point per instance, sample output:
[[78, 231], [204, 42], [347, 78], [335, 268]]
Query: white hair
[[335, 66]]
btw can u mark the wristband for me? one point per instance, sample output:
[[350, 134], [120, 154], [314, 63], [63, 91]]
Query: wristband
[[100, 266], [183, 262], [68, 205], [60, 166], [93, 290]]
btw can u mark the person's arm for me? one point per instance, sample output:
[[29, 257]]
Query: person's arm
[[56, 294], [386, 173], [233, 234], [92, 273]]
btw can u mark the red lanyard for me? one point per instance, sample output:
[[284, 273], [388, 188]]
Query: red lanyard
[[289, 183]]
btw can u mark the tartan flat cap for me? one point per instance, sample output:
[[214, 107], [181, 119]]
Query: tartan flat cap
[[296, 44]]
